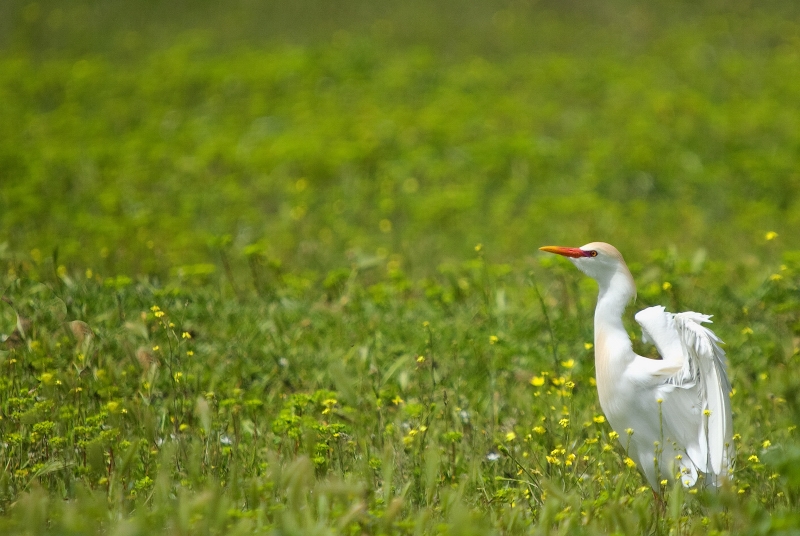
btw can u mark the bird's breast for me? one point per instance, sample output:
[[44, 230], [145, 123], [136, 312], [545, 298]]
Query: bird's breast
[[615, 392]]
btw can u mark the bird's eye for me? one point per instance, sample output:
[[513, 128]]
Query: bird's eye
[[593, 253]]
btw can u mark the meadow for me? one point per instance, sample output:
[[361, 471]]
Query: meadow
[[273, 269]]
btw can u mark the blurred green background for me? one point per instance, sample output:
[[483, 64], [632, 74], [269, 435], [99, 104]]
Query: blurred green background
[[149, 137], [241, 288]]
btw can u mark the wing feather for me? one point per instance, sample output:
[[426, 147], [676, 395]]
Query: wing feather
[[696, 399], [703, 346]]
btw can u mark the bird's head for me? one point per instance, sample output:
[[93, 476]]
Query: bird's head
[[598, 260]]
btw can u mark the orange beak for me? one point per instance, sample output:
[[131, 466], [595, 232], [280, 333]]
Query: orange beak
[[566, 252]]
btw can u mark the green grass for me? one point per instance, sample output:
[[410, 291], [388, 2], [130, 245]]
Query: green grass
[[366, 403], [241, 285]]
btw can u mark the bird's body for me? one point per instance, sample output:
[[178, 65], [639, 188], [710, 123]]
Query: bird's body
[[673, 414]]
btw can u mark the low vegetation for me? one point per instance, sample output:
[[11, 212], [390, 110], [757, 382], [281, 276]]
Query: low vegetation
[[272, 269]]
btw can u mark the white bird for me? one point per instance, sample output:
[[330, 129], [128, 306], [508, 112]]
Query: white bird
[[673, 413]]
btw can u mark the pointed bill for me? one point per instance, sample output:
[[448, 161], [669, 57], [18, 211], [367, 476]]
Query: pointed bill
[[566, 252]]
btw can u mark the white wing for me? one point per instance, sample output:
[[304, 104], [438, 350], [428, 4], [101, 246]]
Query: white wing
[[693, 383]]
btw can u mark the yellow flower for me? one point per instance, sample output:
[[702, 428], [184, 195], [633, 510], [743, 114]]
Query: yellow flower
[[664, 482], [613, 435], [539, 430], [629, 431], [753, 458], [775, 277], [421, 359], [493, 339], [599, 419], [747, 331], [667, 285], [588, 345], [771, 235], [478, 247], [568, 364], [629, 462], [510, 436], [186, 335], [564, 423], [766, 443], [537, 381], [397, 400], [707, 412]]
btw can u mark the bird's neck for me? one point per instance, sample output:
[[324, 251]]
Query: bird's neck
[[613, 350], [613, 298]]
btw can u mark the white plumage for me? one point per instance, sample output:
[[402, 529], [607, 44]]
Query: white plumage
[[673, 413]]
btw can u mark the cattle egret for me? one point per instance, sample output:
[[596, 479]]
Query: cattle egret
[[673, 414]]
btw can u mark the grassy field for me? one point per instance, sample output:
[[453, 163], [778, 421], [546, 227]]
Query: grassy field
[[273, 269]]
